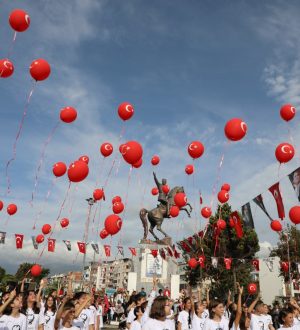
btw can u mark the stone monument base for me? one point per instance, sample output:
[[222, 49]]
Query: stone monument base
[[165, 241]]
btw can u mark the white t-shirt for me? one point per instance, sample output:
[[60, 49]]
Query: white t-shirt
[[100, 313], [205, 314], [64, 328], [234, 328], [267, 319], [49, 318], [296, 321], [7, 322], [260, 322], [131, 316], [197, 322], [153, 324], [210, 324], [183, 318], [84, 320], [136, 325], [34, 320]]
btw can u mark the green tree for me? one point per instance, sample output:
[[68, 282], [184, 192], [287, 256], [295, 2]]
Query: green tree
[[287, 249], [24, 271], [226, 244], [2, 273]]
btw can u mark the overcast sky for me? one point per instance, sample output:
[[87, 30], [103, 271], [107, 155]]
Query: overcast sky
[[187, 67]]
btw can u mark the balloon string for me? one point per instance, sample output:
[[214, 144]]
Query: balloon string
[[194, 202], [49, 138], [11, 47], [94, 217], [17, 137], [45, 201], [6, 221]]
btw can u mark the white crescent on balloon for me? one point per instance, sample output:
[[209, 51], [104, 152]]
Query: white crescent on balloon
[[107, 147], [286, 149], [119, 223], [7, 64], [129, 108], [244, 126], [293, 110], [227, 195], [192, 146], [27, 19]]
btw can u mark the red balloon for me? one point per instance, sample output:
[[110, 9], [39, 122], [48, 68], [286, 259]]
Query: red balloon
[[116, 199], [221, 224], [106, 149], [113, 224], [155, 160], [276, 225], [196, 149], [78, 171], [138, 164], [154, 191], [12, 209], [19, 20], [40, 238], [252, 288], [226, 186], [154, 253], [174, 211], [85, 159], [46, 229], [122, 147], [68, 114], [235, 129], [40, 69], [125, 111], [118, 207], [98, 194], [165, 189], [294, 214], [6, 68], [287, 112], [103, 233], [132, 152], [284, 152], [59, 169], [1, 205], [193, 263], [64, 222], [285, 266], [231, 223], [180, 199], [36, 270], [206, 212], [223, 196], [189, 169]]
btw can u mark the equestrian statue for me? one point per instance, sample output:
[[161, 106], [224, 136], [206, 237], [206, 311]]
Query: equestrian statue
[[157, 215]]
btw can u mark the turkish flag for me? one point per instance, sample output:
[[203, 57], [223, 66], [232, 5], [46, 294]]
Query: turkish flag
[[81, 247], [19, 240], [227, 262], [255, 264], [133, 251], [285, 266], [275, 191], [237, 224], [107, 250], [170, 253], [51, 244], [202, 261]]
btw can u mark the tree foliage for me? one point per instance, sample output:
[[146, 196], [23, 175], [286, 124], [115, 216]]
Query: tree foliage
[[24, 271], [229, 246]]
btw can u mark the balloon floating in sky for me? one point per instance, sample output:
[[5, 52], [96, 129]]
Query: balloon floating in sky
[[165, 189], [287, 112], [40, 238], [64, 222], [59, 169], [116, 199], [46, 229], [189, 169], [180, 199], [118, 207], [196, 149], [206, 212], [68, 114], [40, 69], [98, 194], [221, 224], [223, 196], [36, 270], [155, 160], [78, 171], [19, 20], [106, 149], [6, 68], [154, 191], [284, 152], [125, 111], [276, 225], [174, 211], [294, 214], [225, 186], [12, 209], [113, 224], [85, 159], [103, 233], [1, 205], [132, 152], [138, 164], [235, 129]]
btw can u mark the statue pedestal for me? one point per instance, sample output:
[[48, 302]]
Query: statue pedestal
[[146, 266], [167, 241]]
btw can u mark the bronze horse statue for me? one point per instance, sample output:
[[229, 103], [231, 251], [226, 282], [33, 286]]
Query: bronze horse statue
[[157, 215]]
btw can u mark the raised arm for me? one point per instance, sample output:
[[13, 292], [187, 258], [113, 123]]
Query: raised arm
[[251, 307], [199, 291], [43, 284], [239, 308], [155, 179], [207, 296], [8, 301], [229, 298]]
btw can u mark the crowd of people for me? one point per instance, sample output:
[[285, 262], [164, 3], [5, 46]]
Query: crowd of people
[[28, 309]]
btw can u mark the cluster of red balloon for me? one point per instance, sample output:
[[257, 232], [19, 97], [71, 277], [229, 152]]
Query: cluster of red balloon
[[78, 170], [132, 153]]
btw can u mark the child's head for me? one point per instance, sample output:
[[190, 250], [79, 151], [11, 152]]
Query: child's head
[[259, 307], [138, 312], [187, 303], [68, 313], [286, 317], [199, 308], [216, 308]]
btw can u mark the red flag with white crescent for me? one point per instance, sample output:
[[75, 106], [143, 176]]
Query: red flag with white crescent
[[237, 224], [133, 251], [275, 191], [228, 262], [51, 244], [19, 240], [107, 250], [255, 264], [81, 247]]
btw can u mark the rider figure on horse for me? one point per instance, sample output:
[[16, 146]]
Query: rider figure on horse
[[162, 197]]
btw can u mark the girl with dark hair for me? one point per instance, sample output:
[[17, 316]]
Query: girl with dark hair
[[31, 308], [12, 318], [216, 320], [160, 309], [239, 320], [137, 323], [185, 316], [286, 318], [49, 311]]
